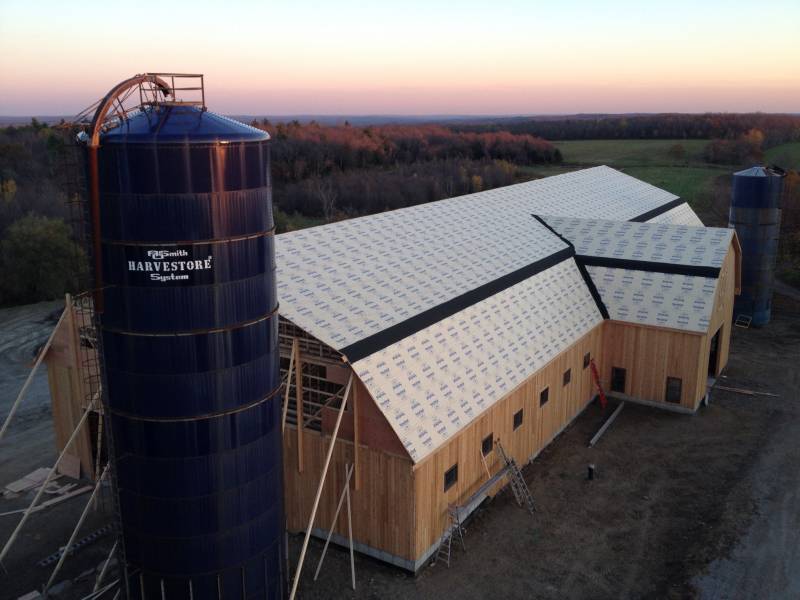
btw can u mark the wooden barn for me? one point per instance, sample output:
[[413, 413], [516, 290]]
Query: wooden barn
[[425, 342], [473, 321]]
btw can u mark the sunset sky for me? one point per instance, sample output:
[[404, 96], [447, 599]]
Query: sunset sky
[[428, 57]]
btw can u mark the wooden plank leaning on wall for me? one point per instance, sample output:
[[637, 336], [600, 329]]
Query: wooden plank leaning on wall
[[65, 375]]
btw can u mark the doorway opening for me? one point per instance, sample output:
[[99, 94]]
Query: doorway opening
[[713, 354]]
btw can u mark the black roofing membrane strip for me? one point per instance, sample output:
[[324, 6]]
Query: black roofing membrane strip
[[587, 279], [395, 333], [650, 266], [658, 211]]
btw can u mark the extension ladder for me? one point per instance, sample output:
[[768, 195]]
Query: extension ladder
[[445, 545], [522, 493]]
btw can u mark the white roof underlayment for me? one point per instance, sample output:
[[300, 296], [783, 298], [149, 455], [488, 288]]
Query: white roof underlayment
[[345, 281], [434, 382], [661, 299], [649, 242], [680, 215]]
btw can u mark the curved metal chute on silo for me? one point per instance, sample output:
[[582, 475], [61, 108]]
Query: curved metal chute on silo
[[189, 331]]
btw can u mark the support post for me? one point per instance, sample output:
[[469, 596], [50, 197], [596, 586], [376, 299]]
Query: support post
[[75, 531], [28, 381], [99, 444], [350, 534], [298, 391], [288, 385], [105, 568], [319, 489], [348, 473], [356, 435]]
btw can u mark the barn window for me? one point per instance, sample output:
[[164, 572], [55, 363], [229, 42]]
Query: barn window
[[487, 444], [617, 380], [674, 390], [517, 418], [587, 358], [450, 477], [544, 396], [567, 376]]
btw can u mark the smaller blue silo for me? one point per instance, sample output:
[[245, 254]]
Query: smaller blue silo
[[756, 215]]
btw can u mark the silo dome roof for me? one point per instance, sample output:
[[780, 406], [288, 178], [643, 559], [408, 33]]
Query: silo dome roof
[[181, 124], [757, 172]]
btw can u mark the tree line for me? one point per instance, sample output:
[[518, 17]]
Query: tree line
[[332, 172], [776, 128], [303, 150]]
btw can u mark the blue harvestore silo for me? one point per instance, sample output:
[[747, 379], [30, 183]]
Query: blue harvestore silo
[[755, 213], [189, 329]]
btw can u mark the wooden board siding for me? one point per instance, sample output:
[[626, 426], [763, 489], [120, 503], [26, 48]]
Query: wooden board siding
[[649, 355], [539, 426], [382, 508], [65, 378]]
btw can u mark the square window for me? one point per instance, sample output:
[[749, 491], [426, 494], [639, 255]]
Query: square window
[[450, 477], [618, 380], [517, 419], [674, 390], [544, 396], [487, 444], [587, 358], [567, 376]]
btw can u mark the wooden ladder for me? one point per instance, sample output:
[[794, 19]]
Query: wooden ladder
[[518, 485], [445, 545]]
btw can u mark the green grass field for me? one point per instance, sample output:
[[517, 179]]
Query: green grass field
[[701, 184], [629, 153], [785, 155]]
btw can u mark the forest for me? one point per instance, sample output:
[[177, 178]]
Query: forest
[[776, 128], [327, 173], [333, 172]]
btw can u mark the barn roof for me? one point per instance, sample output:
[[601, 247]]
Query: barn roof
[[680, 215], [445, 307], [434, 382], [628, 242], [656, 298], [347, 281], [650, 273]]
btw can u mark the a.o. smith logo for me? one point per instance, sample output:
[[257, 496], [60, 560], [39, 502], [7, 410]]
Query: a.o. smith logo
[[169, 265]]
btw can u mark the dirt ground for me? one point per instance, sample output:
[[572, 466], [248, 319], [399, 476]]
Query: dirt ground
[[29, 444], [703, 506]]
